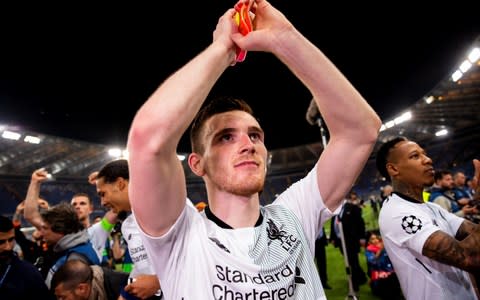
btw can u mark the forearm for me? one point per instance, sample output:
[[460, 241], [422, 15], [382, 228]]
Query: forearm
[[31, 213], [464, 254], [471, 247], [341, 105], [166, 115], [17, 218], [155, 133]]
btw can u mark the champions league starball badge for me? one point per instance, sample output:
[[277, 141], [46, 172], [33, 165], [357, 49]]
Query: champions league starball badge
[[411, 224]]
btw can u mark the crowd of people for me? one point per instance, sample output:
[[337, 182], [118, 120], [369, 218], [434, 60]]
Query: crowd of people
[[153, 243], [111, 247]]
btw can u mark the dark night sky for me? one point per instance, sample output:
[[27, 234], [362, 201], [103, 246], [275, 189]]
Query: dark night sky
[[82, 72]]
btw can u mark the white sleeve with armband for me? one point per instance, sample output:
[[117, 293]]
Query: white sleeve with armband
[[98, 234]]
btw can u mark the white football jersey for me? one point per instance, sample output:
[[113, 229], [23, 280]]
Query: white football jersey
[[405, 225], [203, 258]]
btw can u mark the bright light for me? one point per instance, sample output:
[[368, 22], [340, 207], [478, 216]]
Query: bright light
[[441, 132], [10, 135], [181, 157], [390, 124], [465, 66], [404, 117], [474, 55], [32, 139], [429, 99], [457, 75], [115, 152]]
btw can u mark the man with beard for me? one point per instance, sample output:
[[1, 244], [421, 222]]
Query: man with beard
[[112, 187], [247, 250], [19, 279]]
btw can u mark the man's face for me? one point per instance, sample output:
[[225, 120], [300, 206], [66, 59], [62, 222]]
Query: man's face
[[114, 195], [7, 242], [446, 182], [235, 155], [82, 206], [62, 293], [50, 237], [411, 165], [460, 179]]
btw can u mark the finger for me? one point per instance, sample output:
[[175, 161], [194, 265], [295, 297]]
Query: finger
[[476, 177]]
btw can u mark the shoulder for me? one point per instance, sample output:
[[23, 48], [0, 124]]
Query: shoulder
[[277, 210], [24, 266]]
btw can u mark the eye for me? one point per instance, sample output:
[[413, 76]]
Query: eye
[[226, 137], [254, 136]]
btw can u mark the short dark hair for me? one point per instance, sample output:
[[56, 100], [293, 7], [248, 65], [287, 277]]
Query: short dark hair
[[5, 224], [113, 170], [215, 106], [439, 174], [83, 195], [383, 153], [62, 218], [72, 273]]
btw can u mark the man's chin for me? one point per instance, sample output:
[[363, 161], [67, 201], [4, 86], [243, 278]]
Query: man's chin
[[4, 255]]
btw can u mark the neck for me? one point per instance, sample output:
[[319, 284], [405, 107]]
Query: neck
[[236, 211], [86, 223], [415, 192]]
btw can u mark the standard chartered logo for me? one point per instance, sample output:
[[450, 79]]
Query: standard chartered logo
[[253, 286]]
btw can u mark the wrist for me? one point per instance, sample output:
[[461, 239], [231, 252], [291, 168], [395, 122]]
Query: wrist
[[16, 223]]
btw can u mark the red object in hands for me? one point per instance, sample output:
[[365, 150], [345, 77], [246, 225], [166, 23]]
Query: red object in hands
[[244, 22]]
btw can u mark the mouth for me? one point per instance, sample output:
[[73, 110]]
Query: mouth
[[430, 171], [247, 164]]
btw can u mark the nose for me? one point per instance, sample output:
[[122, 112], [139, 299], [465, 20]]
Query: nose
[[428, 160], [247, 144], [103, 202]]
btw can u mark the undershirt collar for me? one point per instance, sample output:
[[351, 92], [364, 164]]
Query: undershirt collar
[[407, 198], [224, 225]]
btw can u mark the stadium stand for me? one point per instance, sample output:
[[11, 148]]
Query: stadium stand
[[453, 105]]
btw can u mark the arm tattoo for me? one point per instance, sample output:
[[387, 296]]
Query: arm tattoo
[[465, 229], [463, 254]]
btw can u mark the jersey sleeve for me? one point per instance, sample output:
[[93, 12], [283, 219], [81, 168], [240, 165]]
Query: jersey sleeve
[[98, 234], [407, 227], [303, 198]]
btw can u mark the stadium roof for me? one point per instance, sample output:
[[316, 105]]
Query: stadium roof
[[452, 106]]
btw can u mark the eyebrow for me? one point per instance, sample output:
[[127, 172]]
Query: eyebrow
[[221, 132], [231, 129]]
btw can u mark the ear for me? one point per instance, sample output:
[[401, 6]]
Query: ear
[[392, 169], [83, 289], [121, 183], [195, 164]]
